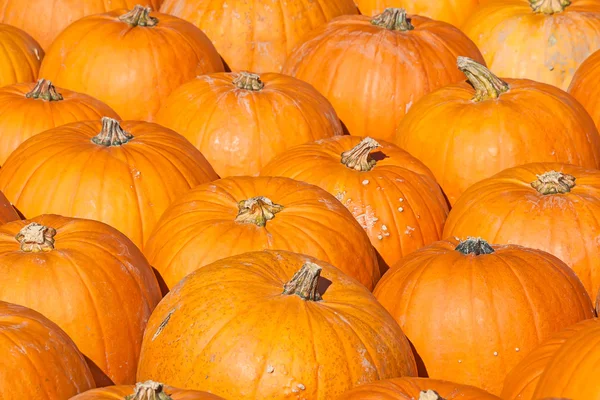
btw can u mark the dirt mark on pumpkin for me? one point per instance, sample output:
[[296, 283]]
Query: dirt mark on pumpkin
[[163, 324]]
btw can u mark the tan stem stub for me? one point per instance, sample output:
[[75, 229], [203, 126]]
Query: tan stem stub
[[553, 182], [305, 283], [139, 16], [111, 134], [430, 395], [549, 7], [393, 19], [148, 390], [249, 81], [257, 211], [45, 90], [359, 157], [475, 246], [35, 238], [487, 85]]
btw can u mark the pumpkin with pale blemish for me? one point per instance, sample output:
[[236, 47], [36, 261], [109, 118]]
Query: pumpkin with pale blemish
[[148, 390], [326, 332], [390, 193], [23, 64], [240, 214], [472, 311]]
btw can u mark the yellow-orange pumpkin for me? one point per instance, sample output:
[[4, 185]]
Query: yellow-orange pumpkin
[[454, 12], [585, 86], [23, 64], [148, 390]]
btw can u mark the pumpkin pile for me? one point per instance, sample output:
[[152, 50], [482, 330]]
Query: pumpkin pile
[[299, 199]]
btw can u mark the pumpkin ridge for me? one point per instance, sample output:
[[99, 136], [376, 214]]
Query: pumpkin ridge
[[249, 81], [257, 210], [148, 390], [139, 16], [487, 85], [45, 90], [358, 158], [475, 246], [35, 238], [393, 19], [111, 134], [553, 182], [305, 283], [549, 7]]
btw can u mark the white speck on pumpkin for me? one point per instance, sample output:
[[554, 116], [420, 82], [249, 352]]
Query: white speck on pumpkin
[[365, 182], [409, 230], [379, 237], [301, 386], [270, 369], [495, 353], [400, 209], [383, 228], [459, 361], [517, 349], [400, 199]]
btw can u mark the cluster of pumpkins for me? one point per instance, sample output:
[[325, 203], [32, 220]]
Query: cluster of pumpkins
[[299, 199]]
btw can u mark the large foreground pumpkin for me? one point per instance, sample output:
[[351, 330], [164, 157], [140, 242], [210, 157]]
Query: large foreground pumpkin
[[472, 311], [542, 40], [391, 194], [267, 325], [551, 207], [257, 35], [585, 86], [241, 214], [148, 390], [39, 360], [240, 121], [372, 69], [25, 58], [122, 174], [149, 54], [27, 109], [480, 137]]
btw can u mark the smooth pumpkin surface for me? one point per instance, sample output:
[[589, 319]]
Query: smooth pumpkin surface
[[479, 136], [560, 216], [373, 69], [124, 174], [39, 360], [542, 40], [27, 109], [584, 86], [22, 56], [240, 121], [149, 390], [150, 55], [257, 35], [473, 311], [391, 194], [240, 214], [324, 333]]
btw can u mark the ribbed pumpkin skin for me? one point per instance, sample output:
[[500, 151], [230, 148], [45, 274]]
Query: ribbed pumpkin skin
[[454, 12], [22, 56], [472, 318], [506, 209], [584, 86], [410, 388], [95, 284], [518, 43], [147, 63], [22, 117], [39, 360], [7, 211], [480, 139], [257, 35], [398, 203], [128, 187], [388, 70], [119, 393], [240, 130], [221, 314]]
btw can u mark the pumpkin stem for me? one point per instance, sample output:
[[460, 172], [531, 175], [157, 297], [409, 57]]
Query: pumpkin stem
[[45, 90], [305, 283], [553, 182], [358, 158], [249, 81], [430, 395], [139, 16], [35, 238], [487, 85], [549, 7], [257, 211], [148, 390], [394, 19], [111, 134], [475, 246]]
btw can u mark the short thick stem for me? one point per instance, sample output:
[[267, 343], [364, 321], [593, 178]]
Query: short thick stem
[[549, 7], [358, 158], [44, 90], [148, 390], [257, 211], [394, 19], [139, 16], [35, 238], [430, 395], [305, 283], [487, 85], [111, 134], [553, 182], [475, 246], [249, 81]]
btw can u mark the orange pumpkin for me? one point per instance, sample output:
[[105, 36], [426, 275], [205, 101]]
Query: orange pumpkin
[[25, 58], [149, 55], [472, 311], [391, 194], [551, 207], [39, 360], [584, 86], [374, 69], [149, 390], [479, 136], [7, 211], [256, 35], [78, 273], [122, 174], [267, 325], [241, 214], [240, 121], [416, 388], [542, 40], [27, 109]]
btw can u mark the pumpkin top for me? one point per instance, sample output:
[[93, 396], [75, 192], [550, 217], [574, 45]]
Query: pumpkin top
[[111, 134], [257, 211], [305, 283], [249, 81], [430, 395], [475, 246], [139, 16], [148, 390], [394, 19], [358, 158], [553, 182], [487, 85], [45, 90], [549, 7], [35, 238]]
